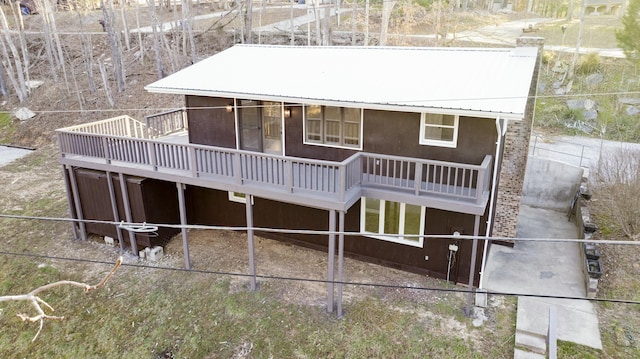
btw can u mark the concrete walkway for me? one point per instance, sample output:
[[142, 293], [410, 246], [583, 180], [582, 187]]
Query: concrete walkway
[[545, 268], [9, 153]]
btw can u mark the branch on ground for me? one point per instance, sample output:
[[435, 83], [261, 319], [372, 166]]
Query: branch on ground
[[38, 303]]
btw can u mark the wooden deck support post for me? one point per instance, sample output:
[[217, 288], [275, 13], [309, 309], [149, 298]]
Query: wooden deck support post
[[474, 253], [183, 222], [114, 208], [340, 261], [78, 205], [127, 212], [331, 259], [70, 201], [252, 263]]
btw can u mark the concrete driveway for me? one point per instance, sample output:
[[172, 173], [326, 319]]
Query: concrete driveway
[[544, 268]]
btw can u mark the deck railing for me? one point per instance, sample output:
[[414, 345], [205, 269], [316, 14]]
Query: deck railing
[[116, 126], [421, 176], [410, 175], [166, 123]]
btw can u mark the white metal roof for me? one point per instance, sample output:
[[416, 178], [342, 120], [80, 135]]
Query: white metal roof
[[476, 81]]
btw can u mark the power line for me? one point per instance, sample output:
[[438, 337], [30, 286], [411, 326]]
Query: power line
[[147, 227], [322, 281], [617, 93]]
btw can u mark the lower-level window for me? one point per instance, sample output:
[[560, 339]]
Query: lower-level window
[[392, 221], [238, 197]]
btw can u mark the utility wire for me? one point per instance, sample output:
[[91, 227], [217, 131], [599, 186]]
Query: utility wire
[[617, 93], [146, 227], [323, 281]]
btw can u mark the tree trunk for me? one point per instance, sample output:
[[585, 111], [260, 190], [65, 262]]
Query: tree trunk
[[354, 22], [114, 44], [54, 30], [105, 83], [316, 13], [20, 85], [387, 6], [366, 22], [187, 24], [87, 55], [47, 43], [248, 16], [140, 44], [570, 10], [125, 26], [10, 73], [3, 84], [291, 34], [17, 14], [156, 39], [574, 60]]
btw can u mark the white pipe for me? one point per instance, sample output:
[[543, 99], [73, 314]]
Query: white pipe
[[501, 131]]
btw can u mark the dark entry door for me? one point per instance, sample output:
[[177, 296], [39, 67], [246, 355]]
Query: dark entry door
[[261, 126], [250, 123]]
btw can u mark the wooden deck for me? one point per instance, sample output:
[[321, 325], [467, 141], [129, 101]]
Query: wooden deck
[[125, 145]]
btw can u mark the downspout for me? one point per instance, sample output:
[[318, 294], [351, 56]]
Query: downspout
[[501, 131]]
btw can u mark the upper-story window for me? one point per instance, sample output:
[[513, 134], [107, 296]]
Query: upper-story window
[[439, 130], [333, 126]]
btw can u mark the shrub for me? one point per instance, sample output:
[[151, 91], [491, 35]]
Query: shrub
[[617, 192], [589, 64]]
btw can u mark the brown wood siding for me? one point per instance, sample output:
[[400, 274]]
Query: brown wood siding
[[209, 122], [150, 200], [398, 133], [385, 132], [295, 146], [212, 207]]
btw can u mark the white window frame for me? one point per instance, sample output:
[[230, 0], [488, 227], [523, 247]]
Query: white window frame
[[441, 143], [392, 237], [233, 197], [323, 135]]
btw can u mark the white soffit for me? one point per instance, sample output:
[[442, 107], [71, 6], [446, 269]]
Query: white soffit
[[478, 80]]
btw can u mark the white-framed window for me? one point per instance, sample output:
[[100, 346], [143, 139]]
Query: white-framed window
[[439, 130], [238, 197], [401, 221], [333, 126]]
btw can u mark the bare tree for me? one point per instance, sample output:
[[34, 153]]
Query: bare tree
[[248, 16], [187, 29], [366, 22], [19, 82], [37, 303], [157, 32], [568, 80], [387, 7], [114, 43]]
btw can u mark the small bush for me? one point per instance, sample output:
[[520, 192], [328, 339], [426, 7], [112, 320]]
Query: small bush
[[617, 192], [589, 64], [548, 57]]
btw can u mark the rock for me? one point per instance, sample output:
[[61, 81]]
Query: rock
[[590, 115], [33, 84], [632, 111], [542, 86], [556, 85], [589, 104], [478, 317], [24, 113], [560, 91], [621, 337], [629, 101], [559, 68], [575, 104], [593, 79]]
